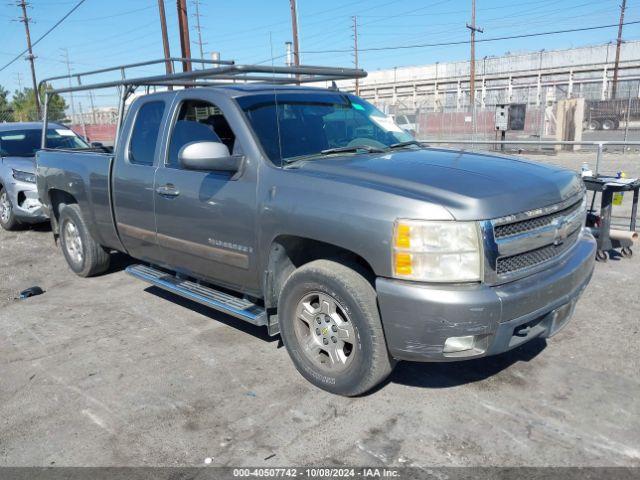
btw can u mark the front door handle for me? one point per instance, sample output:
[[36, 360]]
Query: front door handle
[[168, 190]]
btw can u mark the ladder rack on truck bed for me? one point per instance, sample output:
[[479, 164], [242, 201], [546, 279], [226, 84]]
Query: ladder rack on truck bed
[[217, 72]]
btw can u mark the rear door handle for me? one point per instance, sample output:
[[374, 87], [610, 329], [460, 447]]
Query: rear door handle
[[168, 190]]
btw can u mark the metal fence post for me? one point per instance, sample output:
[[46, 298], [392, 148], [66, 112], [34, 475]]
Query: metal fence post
[[598, 158]]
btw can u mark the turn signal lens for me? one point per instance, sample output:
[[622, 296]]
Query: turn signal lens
[[403, 263]]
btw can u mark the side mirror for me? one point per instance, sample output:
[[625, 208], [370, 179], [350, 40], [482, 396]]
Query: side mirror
[[208, 156], [97, 144]]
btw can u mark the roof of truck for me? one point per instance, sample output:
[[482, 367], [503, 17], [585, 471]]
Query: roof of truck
[[9, 126]]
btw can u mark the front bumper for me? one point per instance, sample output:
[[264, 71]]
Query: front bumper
[[25, 203], [418, 318]]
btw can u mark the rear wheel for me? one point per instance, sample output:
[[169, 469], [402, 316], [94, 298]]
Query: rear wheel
[[594, 125], [330, 324], [83, 254], [8, 219], [608, 124]]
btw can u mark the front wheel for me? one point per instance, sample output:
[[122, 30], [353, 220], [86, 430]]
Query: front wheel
[[330, 324], [8, 219], [83, 254]]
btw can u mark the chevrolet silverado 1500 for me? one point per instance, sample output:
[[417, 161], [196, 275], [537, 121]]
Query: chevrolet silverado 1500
[[308, 211]]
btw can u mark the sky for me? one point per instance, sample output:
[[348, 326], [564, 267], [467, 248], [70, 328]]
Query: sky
[[103, 33]]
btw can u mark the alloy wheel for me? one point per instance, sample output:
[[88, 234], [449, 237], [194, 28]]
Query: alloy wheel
[[325, 332], [5, 208], [73, 242]]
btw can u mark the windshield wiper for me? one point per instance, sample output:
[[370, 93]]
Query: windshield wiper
[[331, 151], [406, 144], [354, 148]]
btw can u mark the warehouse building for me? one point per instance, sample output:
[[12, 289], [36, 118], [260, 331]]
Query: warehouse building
[[534, 78]]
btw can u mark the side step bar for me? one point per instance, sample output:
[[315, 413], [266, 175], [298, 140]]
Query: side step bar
[[234, 306]]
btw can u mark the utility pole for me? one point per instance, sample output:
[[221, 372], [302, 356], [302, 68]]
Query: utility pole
[[355, 51], [73, 106], [199, 29], [294, 27], [25, 19], [616, 66], [472, 67], [165, 39], [93, 108], [183, 25]]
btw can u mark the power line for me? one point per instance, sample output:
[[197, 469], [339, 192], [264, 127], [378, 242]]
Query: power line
[[465, 42], [45, 33]]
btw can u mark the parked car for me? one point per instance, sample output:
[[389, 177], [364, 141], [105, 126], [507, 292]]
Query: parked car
[[312, 213], [19, 202]]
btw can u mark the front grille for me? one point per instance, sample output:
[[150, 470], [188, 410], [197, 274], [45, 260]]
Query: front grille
[[521, 261], [523, 226]]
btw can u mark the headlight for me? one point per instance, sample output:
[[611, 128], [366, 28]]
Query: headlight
[[24, 176], [437, 251]]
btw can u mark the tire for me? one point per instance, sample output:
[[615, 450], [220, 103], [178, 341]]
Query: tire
[[594, 125], [608, 124], [602, 256], [84, 256], [8, 219], [350, 328]]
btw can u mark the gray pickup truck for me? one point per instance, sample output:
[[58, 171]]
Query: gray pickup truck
[[308, 211]]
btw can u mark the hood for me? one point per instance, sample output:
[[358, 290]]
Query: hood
[[26, 164], [472, 186]]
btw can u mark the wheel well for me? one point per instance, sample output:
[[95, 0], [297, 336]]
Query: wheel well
[[290, 252], [57, 198]]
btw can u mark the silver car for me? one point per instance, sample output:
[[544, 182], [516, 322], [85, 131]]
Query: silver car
[[19, 142]]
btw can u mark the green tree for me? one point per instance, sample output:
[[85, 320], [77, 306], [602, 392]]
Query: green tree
[[6, 112], [24, 105]]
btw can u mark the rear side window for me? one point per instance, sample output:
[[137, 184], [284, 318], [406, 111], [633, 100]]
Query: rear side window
[[146, 130]]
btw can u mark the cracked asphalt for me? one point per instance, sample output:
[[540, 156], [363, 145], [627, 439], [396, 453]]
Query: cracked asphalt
[[111, 372]]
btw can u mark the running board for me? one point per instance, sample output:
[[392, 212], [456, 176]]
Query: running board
[[234, 306]]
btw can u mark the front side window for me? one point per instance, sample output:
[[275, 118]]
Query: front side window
[[146, 130], [199, 121], [291, 126]]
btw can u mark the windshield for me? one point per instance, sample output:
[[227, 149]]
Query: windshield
[[25, 143], [309, 124]]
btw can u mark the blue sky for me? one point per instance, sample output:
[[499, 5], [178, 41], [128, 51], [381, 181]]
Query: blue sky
[[107, 32]]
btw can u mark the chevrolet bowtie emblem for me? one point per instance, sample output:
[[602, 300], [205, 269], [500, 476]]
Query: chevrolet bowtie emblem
[[561, 233]]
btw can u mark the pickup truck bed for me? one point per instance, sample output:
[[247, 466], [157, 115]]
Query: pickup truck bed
[[85, 181]]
